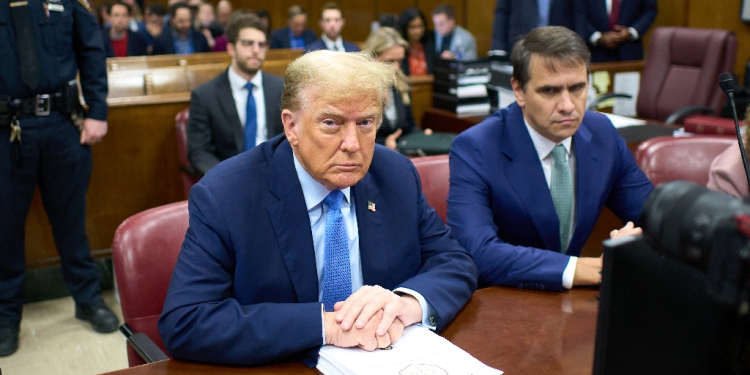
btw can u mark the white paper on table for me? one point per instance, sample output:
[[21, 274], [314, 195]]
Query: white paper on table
[[626, 83], [623, 121], [419, 351]]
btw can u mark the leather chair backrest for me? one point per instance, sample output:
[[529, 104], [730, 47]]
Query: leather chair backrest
[[665, 159], [180, 128], [434, 172], [682, 68], [144, 252]]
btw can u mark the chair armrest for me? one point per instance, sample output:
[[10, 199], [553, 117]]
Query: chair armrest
[[143, 345], [604, 97], [685, 111]]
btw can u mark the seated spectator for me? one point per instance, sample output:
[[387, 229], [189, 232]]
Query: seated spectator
[[332, 22], [387, 46], [265, 17], [102, 13], [295, 34], [206, 23], [119, 40], [727, 172], [451, 40], [180, 38], [286, 246], [421, 53], [223, 10], [224, 119], [155, 14]]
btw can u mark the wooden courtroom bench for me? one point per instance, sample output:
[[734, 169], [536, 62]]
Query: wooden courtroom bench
[[160, 61]]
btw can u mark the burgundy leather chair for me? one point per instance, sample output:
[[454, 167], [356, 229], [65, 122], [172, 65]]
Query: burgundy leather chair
[[189, 174], [434, 172], [144, 252], [665, 159]]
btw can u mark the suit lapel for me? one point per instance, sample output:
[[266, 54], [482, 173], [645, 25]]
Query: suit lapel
[[524, 173], [587, 177], [229, 109], [291, 225], [372, 247]]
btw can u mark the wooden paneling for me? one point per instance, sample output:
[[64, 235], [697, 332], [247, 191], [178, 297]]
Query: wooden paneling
[[479, 17]]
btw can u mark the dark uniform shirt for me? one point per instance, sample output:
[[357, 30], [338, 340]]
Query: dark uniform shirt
[[68, 40]]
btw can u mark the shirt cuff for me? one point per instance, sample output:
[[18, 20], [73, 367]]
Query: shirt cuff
[[429, 318], [594, 40], [633, 33], [570, 271], [323, 323]]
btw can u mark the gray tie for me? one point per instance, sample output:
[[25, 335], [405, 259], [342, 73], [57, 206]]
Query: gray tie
[[561, 188]]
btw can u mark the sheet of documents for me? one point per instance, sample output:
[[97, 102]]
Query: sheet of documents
[[626, 83], [623, 121], [419, 351]]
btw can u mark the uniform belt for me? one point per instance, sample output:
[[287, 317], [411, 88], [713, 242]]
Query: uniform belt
[[41, 105]]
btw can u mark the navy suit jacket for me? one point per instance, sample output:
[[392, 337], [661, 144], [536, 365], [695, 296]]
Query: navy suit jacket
[[245, 287], [137, 44], [591, 16], [280, 38], [164, 43], [515, 18], [319, 44], [500, 207]]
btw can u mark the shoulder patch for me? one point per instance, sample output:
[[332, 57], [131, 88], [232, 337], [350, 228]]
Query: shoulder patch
[[85, 4]]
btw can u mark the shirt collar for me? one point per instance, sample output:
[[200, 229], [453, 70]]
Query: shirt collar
[[236, 82], [314, 191], [330, 43], [543, 145]]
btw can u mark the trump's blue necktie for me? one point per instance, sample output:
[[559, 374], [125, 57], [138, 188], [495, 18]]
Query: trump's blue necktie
[[251, 123], [337, 274]]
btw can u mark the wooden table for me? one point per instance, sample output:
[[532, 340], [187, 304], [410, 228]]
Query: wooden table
[[517, 331]]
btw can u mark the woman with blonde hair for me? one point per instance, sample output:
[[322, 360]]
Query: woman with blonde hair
[[387, 45], [727, 172]]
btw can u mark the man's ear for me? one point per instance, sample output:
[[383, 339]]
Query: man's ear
[[291, 126], [518, 92]]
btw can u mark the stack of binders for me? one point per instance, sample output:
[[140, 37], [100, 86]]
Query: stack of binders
[[461, 86]]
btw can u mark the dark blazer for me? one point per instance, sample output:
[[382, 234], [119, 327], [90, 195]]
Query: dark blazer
[[591, 16], [214, 129], [515, 18], [164, 43], [429, 54], [500, 207], [319, 44], [244, 290], [137, 44], [280, 38], [404, 120]]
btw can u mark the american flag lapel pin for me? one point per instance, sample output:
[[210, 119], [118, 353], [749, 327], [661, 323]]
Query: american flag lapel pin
[[371, 206]]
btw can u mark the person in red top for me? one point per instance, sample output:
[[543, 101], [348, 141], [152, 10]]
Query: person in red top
[[119, 41], [421, 51]]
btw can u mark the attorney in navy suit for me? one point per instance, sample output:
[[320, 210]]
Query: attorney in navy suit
[[332, 22], [280, 236], [614, 28], [528, 184], [515, 18]]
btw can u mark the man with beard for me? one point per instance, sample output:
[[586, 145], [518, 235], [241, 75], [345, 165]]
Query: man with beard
[[240, 108], [332, 22], [180, 37], [119, 41]]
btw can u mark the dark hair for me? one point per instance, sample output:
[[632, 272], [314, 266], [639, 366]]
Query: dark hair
[[555, 45], [263, 13], [238, 22], [295, 10], [157, 9], [408, 15], [110, 5], [446, 9], [330, 6], [173, 9]]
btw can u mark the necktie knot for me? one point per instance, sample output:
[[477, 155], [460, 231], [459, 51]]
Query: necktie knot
[[249, 87], [333, 200], [558, 153]]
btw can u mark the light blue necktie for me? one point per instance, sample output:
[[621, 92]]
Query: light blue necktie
[[337, 274], [251, 122], [561, 188]]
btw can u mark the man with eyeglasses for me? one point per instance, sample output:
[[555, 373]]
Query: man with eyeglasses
[[239, 108]]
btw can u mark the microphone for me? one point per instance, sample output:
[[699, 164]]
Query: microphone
[[726, 82]]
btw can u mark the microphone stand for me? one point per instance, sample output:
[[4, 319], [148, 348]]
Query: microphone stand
[[726, 82]]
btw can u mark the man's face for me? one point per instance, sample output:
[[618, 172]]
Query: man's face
[[223, 10], [119, 18], [331, 23], [553, 102], [334, 139], [443, 24], [182, 21], [249, 52], [298, 24]]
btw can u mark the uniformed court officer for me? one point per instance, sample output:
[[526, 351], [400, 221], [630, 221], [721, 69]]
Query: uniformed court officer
[[42, 46]]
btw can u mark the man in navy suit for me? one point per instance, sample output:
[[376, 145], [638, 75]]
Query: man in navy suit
[[180, 38], [318, 237], [332, 22], [295, 34], [528, 184], [515, 18], [119, 41], [614, 28]]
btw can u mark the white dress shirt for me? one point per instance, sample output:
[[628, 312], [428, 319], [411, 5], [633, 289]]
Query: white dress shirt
[[314, 193], [338, 43], [597, 34], [239, 93], [544, 148]]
